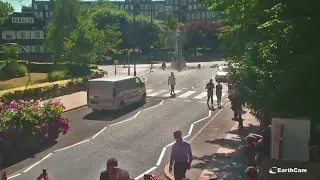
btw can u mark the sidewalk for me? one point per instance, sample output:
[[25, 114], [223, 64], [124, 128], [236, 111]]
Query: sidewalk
[[220, 155]]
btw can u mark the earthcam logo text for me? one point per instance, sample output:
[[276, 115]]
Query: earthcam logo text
[[275, 170]]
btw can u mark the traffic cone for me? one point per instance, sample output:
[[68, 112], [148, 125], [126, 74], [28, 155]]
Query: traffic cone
[[4, 175]]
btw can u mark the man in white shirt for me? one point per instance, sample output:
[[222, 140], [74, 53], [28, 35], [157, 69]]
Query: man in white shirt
[[172, 83]]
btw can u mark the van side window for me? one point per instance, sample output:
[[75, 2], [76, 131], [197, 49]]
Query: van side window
[[138, 81]]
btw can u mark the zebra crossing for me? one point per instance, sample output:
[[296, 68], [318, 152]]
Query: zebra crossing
[[180, 93]]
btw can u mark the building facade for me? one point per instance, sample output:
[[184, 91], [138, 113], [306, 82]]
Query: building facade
[[24, 29], [186, 10]]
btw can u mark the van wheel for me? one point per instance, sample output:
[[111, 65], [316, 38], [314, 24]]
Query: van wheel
[[121, 108], [144, 99]]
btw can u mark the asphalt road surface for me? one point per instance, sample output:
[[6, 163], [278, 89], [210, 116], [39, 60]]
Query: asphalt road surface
[[135, 139]]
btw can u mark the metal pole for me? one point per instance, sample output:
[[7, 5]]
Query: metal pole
[[129, 63], [115, 70], [134, 70], [178, 63]]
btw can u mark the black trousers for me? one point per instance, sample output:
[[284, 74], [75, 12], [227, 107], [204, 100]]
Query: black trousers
[[210, 97], [180, 170]]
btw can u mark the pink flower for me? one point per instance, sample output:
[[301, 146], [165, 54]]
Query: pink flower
[[34, 108]]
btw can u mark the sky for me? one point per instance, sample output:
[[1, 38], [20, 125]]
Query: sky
[[17, 3]]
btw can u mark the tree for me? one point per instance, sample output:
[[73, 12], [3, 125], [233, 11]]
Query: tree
[[273, 46], [5, 10], [171, 22], [64, 22]]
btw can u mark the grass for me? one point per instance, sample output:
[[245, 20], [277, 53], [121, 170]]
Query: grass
[[36, 78]]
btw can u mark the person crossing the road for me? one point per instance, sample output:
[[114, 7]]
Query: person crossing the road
[[172, 83], [181, 156], [210, 87], [219, 93]]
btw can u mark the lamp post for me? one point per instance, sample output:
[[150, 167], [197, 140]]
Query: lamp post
[[151, 58], [115, 62]]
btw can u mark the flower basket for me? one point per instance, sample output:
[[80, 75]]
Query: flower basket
[[52, 133]]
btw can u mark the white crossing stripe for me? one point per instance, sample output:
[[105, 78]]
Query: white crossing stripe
[[200, 96], [187, 94], [215, 97], [158, 92], [149, 91], [168, 95]]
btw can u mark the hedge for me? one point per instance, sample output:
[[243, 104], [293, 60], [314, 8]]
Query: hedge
[[43, 91]]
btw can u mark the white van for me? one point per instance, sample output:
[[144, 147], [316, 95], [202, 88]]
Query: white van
[[113, 93]]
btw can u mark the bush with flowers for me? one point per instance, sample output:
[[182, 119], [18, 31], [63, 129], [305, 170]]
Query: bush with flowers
[[25, 121]]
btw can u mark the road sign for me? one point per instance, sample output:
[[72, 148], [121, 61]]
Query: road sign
[[115, 62]]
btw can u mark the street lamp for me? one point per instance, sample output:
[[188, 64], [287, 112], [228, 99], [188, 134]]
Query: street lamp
[[151, 58]]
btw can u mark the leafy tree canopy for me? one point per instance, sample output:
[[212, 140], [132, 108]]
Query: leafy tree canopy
[[5, 10], [274, 48]]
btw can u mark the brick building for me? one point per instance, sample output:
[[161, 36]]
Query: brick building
[[186, 10]]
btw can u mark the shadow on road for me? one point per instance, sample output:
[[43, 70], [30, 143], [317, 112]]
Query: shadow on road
[[105, 115], [16, 157], [229, 162]]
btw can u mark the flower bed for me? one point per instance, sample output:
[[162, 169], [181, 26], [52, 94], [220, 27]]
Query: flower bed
[[26, 124]]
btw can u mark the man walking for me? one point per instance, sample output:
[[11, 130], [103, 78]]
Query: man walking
[[181, 156], [210, 87], [172, 83], [114, 173], [219, 94]]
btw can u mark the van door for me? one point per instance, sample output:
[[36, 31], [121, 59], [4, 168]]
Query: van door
[[139, 89]]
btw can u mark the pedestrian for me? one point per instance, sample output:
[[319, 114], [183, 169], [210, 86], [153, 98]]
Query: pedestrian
[[114, 173], [219, 93], [251, 150], [172, 83], [251, 173], [181, 156], [210, 87]]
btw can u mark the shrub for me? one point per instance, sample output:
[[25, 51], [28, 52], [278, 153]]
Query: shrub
[[12, 69], [56, 76], [78, 70], [45, 68]]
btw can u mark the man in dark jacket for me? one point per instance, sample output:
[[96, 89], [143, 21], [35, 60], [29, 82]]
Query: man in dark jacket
[[114, 173]]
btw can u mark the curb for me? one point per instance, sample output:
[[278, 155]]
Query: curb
[[167, 173], [75, 108]]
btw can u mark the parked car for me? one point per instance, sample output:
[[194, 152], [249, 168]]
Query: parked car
[[116, 92], [222, 74]]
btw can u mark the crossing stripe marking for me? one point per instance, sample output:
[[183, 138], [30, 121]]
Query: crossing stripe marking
[[187, 94], [158, 92], [168, 94], [200, 96]]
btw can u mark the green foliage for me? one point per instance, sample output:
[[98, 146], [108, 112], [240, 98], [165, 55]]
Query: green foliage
[[12, 69], [77, 69], [56, 76], [10, 53], [274, 49], [171, 22], [5, 10]]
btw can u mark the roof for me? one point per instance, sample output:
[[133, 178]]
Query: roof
[[112, 78]]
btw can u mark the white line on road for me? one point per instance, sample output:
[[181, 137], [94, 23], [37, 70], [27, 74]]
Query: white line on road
[[168, 145], [141, 176], [14, 176], [81, 142], [161, 156], [187, 94], [145, 79], [191, 128], [200, 96], [155, 105], [187, 100], [158, 92], [136, 114], [37, 162], [99, 132]]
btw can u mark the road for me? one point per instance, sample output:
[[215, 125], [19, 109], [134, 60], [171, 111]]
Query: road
[[135, 139]]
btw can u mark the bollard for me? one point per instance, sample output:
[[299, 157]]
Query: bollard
[[134, 70], [4, 175]]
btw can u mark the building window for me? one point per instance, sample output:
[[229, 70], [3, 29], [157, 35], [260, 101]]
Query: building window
[[156, 14], [40, 14], [193, 16], [51, 14], [146, 6], [190, 1], [188, 16], [127, 7], [37, 35], [37, 49], [141, 7], [208, 14], [35, 6], [131, 7], [36, 14], [199, 6], [190, 7], [184, 2], [170, 1], [198, 15], [121, 6], [47, 14], [161, 6], [23, 35], [46, 7], [194, 0], [8, 35], [176, 2], [156, 6], [146, 13], [194, 6], [203, 15]]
